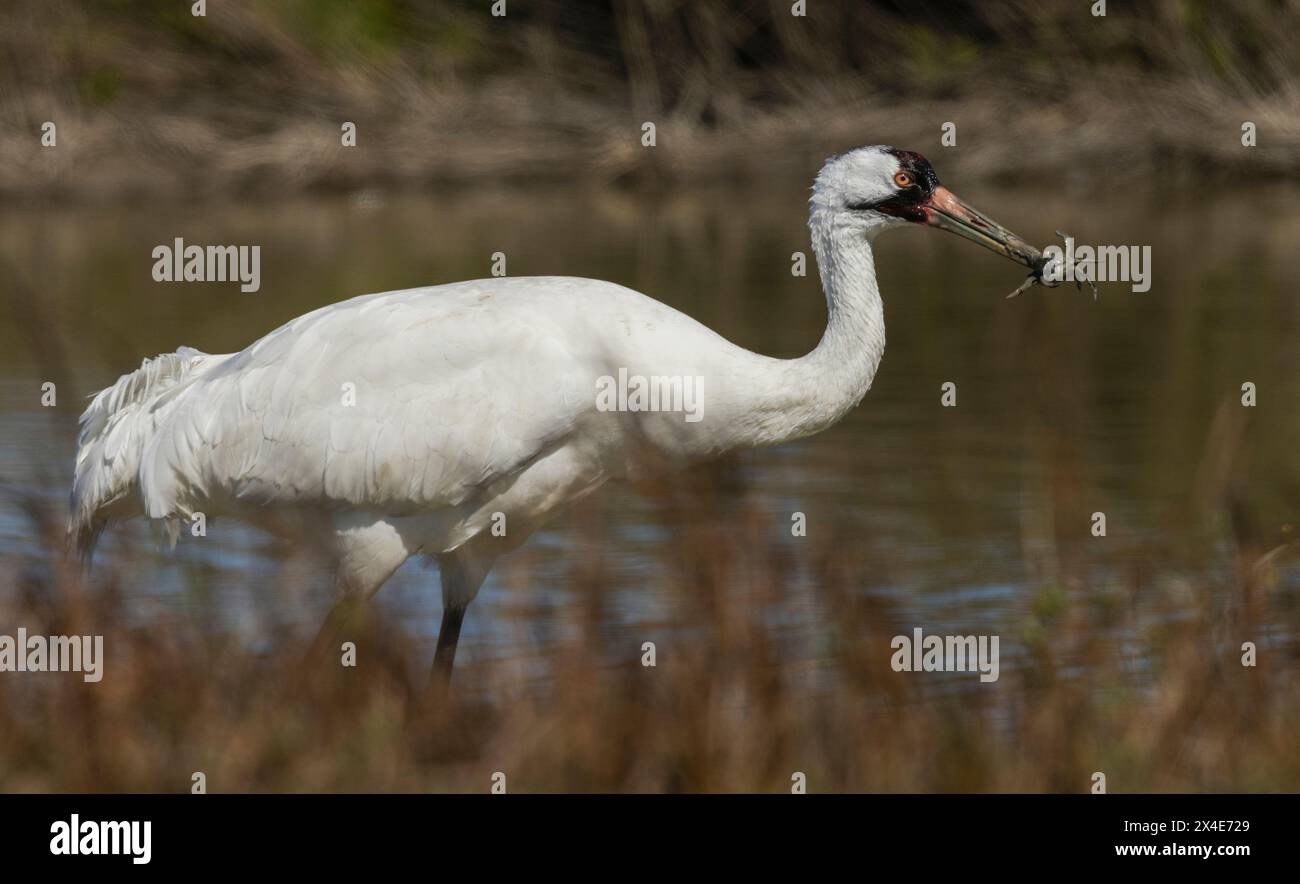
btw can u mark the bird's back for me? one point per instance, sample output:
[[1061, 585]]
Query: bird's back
[[404, 401], [401, 402]]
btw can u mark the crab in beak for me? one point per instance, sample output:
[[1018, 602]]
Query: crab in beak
[[923, 200]]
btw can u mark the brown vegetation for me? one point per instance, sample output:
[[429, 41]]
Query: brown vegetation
[[150, 100], [1141, 680]]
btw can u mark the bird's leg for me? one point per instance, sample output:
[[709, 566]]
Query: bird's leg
[[347, 612], [448, 635], [462, 573]]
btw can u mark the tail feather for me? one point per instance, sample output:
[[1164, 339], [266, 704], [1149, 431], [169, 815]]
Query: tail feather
[[115, 429]]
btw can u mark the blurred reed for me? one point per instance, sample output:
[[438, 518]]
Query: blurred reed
[[250, 98], [1131, 676]]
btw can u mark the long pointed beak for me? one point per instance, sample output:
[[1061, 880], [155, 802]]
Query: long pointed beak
[[944, 210]]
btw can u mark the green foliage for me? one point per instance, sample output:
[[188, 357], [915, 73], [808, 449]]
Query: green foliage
[[343, 30], [101, 85]]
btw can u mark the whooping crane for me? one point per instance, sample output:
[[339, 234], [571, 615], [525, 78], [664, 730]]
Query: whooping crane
[[411, 422]]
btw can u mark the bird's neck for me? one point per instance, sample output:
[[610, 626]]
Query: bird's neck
[[806, 395]]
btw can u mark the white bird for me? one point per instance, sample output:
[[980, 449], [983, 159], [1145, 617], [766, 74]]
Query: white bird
[[413, 422]]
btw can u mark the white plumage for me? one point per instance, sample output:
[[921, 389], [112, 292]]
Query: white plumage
[[399, 423]]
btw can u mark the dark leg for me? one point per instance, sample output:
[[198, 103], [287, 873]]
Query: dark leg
[[448, 635], [462, 573]]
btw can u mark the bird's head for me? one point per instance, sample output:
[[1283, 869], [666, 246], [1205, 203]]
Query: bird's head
[[878, 186]]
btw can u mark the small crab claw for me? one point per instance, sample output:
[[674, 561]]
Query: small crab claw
[[1037, 277], [1038, 263], [1030, 281], [1078, 283]]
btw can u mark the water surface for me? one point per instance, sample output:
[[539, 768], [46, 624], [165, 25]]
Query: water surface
[[966, 519]]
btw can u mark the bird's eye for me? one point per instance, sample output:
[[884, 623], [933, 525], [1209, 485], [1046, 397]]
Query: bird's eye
[[902, 179]]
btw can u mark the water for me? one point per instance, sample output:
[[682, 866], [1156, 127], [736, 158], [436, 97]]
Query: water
[[966, 518]]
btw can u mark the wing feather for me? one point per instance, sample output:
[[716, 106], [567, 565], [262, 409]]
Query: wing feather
[[450, 391]]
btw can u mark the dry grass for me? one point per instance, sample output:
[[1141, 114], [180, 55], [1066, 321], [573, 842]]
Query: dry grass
[[1138, 678], [250, 99]]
